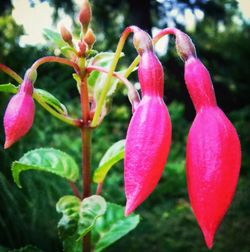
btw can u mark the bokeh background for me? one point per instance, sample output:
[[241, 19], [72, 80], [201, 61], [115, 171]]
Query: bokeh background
[[221, 33]]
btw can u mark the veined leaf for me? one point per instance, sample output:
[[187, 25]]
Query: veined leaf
[[46, 159], [90, 210], [54, 37], [8, 88], [114, 154], [27, 248], [112, 226], [51, 100], [79, 217]]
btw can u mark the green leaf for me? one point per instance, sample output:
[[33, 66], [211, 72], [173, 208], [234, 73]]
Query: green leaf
[[90, 210], [54, 37], [69, 206], [51, 100], [46, 159], [114, 154], [112, 226], [79, 217], [8, 88]]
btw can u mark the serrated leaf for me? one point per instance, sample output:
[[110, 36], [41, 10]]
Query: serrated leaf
[[114, 154], [8, 88], [51, 100], [46, 159], [112, 226], [79, 217]]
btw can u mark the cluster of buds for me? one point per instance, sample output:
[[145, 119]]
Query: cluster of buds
[[87, 35]]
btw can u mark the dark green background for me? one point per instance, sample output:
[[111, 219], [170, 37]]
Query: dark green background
[[28, 216]]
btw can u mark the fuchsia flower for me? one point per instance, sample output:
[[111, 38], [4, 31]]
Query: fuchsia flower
[[19, 115], [148, 136], [213, 153]]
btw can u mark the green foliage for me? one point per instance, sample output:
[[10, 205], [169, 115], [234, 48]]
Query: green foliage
[[49, 160], [51, 100], [112, 226], [114, 154], [79, 217], [8, 88]]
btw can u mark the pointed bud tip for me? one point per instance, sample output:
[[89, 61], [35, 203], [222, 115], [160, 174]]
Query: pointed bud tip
[[209, 238], [85, 14], [66, 34], [7, 144]]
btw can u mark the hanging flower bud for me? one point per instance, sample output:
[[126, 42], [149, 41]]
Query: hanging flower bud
[[213, 153], [66, 35], [85, 15], [19, 115], [149, 132]]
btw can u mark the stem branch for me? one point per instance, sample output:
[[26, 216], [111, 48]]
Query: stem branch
[[11, 73]]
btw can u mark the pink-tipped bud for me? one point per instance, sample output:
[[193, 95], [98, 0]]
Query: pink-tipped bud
[[89, 38], [82, 47], [184, 45], [19, 115], [213, 153], [66, 35], [148, 136], [85, 15]]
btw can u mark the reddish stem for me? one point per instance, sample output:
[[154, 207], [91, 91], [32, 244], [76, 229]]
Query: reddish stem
[[60, 60], [11, 73], [74, 189]]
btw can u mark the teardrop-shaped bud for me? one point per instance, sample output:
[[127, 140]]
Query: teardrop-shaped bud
[[213, 153], [19, 115], [149, 132], [213, 166]]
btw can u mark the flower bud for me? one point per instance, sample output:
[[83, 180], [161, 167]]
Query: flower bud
[[89, 38], [19, 115], [149, 133], [85, 15], [213, 153], [66, 35], [142, 41]]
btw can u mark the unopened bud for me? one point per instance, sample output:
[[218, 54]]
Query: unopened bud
[[184, 46], [142, 41], [89, 38], [82, 48], [66, 35], [85, 15]]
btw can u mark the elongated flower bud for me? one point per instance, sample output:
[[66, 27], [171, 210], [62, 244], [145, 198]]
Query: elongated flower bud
[[19, 115], [85, 15], [66, 35], [148, 136], [213, 153]]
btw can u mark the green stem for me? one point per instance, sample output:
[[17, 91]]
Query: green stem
[[107, 83], [11, 73], [66, 119]]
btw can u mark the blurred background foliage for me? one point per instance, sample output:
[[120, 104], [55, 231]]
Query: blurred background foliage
[[222, 38]]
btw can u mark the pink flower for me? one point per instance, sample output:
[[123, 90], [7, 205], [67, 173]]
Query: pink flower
[[213, 153], [19, 115], [148, 136]]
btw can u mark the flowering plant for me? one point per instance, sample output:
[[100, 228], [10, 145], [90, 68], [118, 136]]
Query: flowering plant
[[213, 148]]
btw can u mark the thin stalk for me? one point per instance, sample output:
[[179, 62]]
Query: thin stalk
[[60, 60], [107, 83], [74, 189], [84, 101], [11, 73], [86, 175], [66, 119]]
